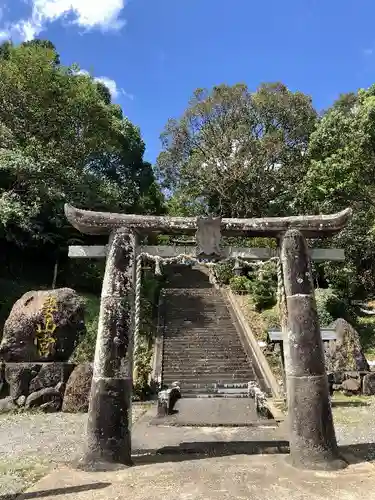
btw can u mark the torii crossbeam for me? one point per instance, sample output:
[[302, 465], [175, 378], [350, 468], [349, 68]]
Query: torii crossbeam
[[312, 226], [312, 436]]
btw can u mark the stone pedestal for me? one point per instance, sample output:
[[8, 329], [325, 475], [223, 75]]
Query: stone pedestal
[[312, 437]]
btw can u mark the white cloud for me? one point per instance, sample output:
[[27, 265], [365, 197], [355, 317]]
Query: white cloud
[[88, 14], [368, 52], [111, 85]]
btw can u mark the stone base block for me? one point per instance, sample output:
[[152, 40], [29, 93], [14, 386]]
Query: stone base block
[[109, 433], [312, 436]]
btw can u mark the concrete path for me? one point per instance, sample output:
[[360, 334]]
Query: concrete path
[[207, 440], [235, 477], [216, 412]]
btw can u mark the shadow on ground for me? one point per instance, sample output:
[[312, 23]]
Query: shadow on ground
[[355, 453], [208, 449], [349, 404], [362, 452], [56, 491]]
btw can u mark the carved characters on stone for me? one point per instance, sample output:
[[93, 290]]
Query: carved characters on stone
[[208, 237], [44, 337]]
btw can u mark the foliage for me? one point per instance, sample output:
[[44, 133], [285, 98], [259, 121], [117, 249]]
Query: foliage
[[142, 389], [263, 294], [61, 140], [271, 317], [341, 174], [239, 284], [235, 152], [10, 292], [224, 272], [330, 307], [85, 350]]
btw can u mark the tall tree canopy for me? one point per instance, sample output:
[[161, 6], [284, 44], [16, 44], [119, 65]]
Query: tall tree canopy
[[342, 174], [62, 140], [237, 153]]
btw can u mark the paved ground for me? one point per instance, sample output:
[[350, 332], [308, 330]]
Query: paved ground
[[31, 444], [234, 477], [214, 412]]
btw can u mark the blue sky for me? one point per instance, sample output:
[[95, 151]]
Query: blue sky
[[154, 53]]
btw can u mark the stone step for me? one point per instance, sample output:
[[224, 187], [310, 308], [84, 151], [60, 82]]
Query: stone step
[[198, 362], [204, 356], [222, 378], [214, 373], [207, 327], [209, 387], [231, 385], [200, 372], [204, 324], [205, 350], [186, 363], [232, 392], [191, 395], [209, 336], [211, 339], [200, 346]]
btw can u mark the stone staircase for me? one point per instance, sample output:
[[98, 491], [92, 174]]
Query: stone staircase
[[202, 347]]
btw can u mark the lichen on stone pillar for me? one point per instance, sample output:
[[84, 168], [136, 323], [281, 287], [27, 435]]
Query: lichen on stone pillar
[[109, 418], [313, 442]]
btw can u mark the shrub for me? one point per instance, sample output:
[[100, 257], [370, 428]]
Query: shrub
[[83, 275], [330, 307], [86, 348], [263, 293], [142, 389], [240, 284], [264, 286], [271, 318], [224, 273]]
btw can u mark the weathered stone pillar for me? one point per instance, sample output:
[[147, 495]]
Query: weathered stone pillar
[[109, 419], [312, 436]]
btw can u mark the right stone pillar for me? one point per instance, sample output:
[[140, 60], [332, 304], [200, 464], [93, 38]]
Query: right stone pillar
[[312, 437]]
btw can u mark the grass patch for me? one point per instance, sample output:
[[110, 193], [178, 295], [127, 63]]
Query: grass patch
[[19, 474]]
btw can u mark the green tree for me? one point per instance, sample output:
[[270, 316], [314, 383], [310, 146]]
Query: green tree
[[62, 140], [341, 174], [237, 153]]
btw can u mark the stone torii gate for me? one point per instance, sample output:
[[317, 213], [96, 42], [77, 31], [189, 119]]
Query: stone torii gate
[[312, 437]]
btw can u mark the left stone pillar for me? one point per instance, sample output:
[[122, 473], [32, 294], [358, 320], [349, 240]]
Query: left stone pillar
[[109, 417]]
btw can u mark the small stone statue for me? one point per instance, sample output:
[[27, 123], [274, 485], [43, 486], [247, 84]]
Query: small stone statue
[[167, 398]]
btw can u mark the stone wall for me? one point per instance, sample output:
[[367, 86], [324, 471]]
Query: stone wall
[[353, 382], [44, 386]]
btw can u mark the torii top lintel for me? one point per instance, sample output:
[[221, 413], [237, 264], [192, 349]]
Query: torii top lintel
[[101, 223]]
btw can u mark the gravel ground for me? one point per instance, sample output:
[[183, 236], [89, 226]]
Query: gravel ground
[[355, 425], [31, 444]]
